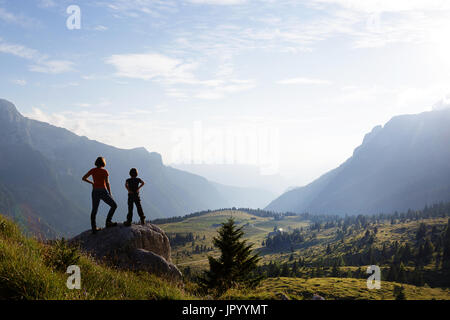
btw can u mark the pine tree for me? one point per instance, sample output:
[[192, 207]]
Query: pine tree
[[236, 262], [340, 261], [335, 272], [418, 276], [370, 256], [446, 244], [285, 272], [295, 269], [421, 231], [401, 275], [384, 253], [428, 250], [406, 254], [392, 273], [399, 293]]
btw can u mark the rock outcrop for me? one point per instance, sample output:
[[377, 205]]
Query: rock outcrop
[[138, 248]]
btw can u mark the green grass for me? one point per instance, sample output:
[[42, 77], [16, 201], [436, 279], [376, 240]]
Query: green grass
[[206, 225], [333, 289], [26, 273], [30, 269]]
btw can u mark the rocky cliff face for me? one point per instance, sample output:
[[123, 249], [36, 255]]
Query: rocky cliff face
[[139, 248]]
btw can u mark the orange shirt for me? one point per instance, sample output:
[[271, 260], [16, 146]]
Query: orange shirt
[[99, 175]]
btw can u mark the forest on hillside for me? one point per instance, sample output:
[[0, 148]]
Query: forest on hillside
[[411, 247]]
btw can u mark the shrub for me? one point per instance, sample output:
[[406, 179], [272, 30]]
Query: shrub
[[60, 255]]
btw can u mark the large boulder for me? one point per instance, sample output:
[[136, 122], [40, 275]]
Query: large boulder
[[140, 248]]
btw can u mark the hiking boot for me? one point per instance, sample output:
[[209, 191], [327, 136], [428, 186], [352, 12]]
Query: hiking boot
[[127, 223], [95, 230], [143, 221], [110, 224]]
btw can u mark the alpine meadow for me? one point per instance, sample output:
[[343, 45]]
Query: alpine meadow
[[228, 159]]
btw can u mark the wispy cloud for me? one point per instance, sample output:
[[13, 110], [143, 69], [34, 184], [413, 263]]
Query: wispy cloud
[[218, 2], [103, 102], [52, 66], [151, 66], [100, 28], [47, 3], [225, 88], [444, 103], [304, 81], [20, 82], [363, 24], [19, 50], [172, 72], [378, 23], [41, 62], [18, 19], [259, 24], [138, 8], [389, 5]]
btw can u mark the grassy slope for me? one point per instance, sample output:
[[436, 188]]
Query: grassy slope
[[334, 288], [24, 274], [206, 225]]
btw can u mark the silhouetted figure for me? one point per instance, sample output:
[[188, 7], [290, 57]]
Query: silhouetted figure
[[101, 191], [133, 185]]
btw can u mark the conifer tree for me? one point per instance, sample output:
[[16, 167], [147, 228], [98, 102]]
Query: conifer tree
[[392, 273], [418, 276], [295, 269], [285, 272], [399, 293], [446, 245], [335, 272], [401, 274], [421, 231], [236, 262], [428, 250]]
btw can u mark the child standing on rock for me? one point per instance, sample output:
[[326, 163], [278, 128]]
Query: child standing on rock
[[133, 185]]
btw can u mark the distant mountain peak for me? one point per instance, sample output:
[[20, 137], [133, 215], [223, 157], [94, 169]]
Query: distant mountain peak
[[8, 111]]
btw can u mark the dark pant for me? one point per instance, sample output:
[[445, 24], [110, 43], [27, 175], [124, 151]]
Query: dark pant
[[133, 198], [102, 194]]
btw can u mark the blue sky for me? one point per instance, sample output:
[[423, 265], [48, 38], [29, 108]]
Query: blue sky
[[296, 84]]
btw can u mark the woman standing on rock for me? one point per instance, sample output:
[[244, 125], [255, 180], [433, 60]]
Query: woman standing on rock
[[101, 191]]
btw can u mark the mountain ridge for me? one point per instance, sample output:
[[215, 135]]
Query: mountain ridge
[[383, 172]]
